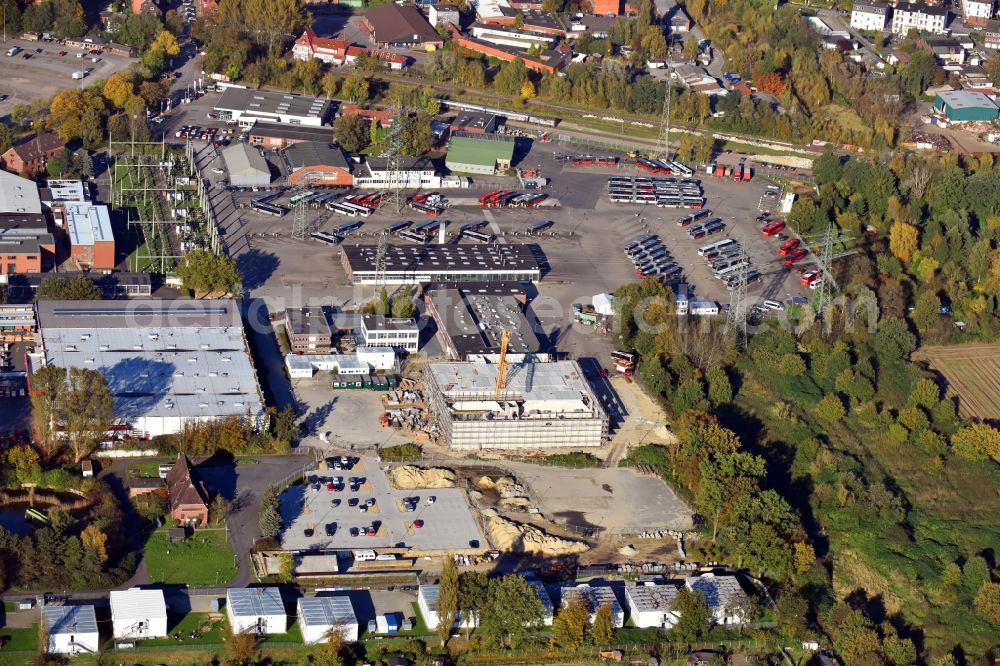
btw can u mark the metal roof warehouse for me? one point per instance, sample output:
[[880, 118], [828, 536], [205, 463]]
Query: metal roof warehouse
[[409, 264], [318, 615], [249, 106], [168, 363], [965, 106]]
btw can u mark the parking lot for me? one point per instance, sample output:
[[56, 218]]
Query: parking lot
[[44, 74], [443, 523]]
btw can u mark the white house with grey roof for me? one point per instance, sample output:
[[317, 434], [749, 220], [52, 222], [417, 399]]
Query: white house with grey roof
[[320, 615], [257, 610], [909, 16], [596, 596], [71, 629], [725, 597], [870, 16], [250, 106], [652, 605], [168, 363], [138, 613]]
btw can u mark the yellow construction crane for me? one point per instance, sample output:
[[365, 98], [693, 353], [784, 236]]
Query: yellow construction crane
[[502, 364]]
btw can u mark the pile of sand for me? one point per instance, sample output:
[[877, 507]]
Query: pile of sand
[[628, 551], [408, 477], [508, 536]]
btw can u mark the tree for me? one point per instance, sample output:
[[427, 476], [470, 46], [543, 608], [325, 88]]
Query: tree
[[725, 478], [87, 410], [570, 624], [283, 425], [330, 652], [56, 288], [978, 441], [772, 83], [96, 541], [603, 631], [903, 241], [48, 385], [830, 408], [855, 639], [166, 43], [351, 133], [987, 601], [827, 168], [117, 89], [203, 271], [355, 88], [286, 566], [447, 599], [24, 461], [417, 136], [473, 591], [512, 611], [694, 616], [241, 648], [527, 90], [510, 77], [403, 305], [69, 19], [219, 510], [6, 137], [720, 390], [269, 517], [805, 557]]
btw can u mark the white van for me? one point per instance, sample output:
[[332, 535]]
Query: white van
[[14, 50], [774, 305]]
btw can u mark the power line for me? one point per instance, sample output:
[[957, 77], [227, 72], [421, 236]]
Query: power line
[[736, 324], [396, 197]]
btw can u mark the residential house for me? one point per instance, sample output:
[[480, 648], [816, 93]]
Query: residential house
[[29, 156], [977, 12], [870, 16], [309, 46], [908, 16], [188, 499], [442, 15]]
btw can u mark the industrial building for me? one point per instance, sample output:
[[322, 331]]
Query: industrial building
[[415, 173], [320, 615], [411, 264], [400, 25], [960, 106], [363, 361], [474, 122], [71, 629], [246, 166], [308, 331], [725, 596], [399, 333], [250, 106], [469, 318], [276, 135], [168, 362], [596, 596], [26, 246], [537, 406], [137, 614], [86, 224], [480, 154], [317, 163], [120, 284], [652, 605], [258, 610]]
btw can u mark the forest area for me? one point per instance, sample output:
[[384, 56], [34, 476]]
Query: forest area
[[820, 456]]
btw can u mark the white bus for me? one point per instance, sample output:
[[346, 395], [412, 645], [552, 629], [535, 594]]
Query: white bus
[[717, 246]]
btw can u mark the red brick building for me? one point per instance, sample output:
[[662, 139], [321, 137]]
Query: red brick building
[[28, 157], [605, 7], [188, 499]]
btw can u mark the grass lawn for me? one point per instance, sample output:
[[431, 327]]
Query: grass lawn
[[10, 606], [204, 559], [149, 469], [15, 640], [293, 635], [282, 335], [184, 627]]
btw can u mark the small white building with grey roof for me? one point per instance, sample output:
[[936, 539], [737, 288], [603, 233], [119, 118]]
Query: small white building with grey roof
[[596, 596], [725, 596], [248, 106], [138, 613], [652, 605], [257, 610], [427, 603], [246, 166], [71, 629], [320, 615]]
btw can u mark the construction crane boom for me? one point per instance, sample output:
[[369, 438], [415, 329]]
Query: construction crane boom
[[502, 365]]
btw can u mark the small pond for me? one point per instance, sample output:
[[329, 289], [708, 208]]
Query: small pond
[[12, 518]]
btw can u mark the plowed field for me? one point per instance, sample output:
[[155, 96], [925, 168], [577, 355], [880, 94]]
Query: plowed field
[[973, 375]]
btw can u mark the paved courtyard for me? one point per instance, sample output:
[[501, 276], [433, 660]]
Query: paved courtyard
[[448, 523]]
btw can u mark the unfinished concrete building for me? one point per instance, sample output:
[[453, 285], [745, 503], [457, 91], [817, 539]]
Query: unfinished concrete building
[[542, 405]]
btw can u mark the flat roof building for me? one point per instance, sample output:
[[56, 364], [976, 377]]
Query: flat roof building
[[410, 264], [91, 238], [258, 610], [308, 331], [246, 166], [250, 106], [474, 122], [544, 405], [320, 163], [71, 629], [320, 615], [18, 195], [469, 318], [966, 106], [276, 135], [399, 333], [595, 596], [137, 614], [168, 362], [120, 284], [479, 154], [651, 605]]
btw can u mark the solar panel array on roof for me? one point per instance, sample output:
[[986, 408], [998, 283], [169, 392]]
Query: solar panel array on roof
[[326, 610], [70, 619]]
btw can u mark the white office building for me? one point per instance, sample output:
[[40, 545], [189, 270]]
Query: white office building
[[137, 614], [71, 629], [257, 610], [908, 16], [320, 615], [977, 12], [250, 106], [596, 596], [652, 605], [400, 333], [870, 16]]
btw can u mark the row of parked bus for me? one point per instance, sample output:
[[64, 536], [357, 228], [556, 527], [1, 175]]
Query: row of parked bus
[[727, 259], [419, 234], [666, 167], [663, 192], [651, 258], [501, 198]]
